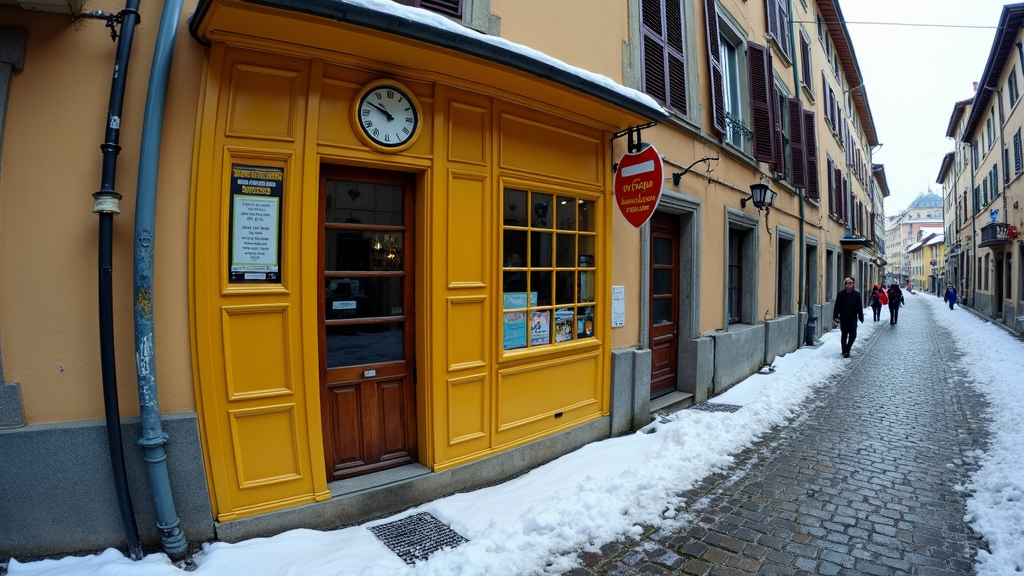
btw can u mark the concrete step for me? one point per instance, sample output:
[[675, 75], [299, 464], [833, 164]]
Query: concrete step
[[671, 402]]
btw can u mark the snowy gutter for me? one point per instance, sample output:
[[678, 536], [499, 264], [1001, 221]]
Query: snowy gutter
[[418, 24]]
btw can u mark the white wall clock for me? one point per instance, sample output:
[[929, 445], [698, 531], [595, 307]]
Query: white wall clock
[[386, 116]]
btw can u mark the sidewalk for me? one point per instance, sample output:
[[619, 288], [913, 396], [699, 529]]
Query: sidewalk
[[611, 489]]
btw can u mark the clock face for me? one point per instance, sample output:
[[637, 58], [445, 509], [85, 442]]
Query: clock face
[[387, 117]]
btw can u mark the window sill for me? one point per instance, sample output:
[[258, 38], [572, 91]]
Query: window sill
[[808, 91]]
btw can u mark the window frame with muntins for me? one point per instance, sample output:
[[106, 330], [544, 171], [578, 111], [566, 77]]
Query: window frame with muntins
[[549, 268]]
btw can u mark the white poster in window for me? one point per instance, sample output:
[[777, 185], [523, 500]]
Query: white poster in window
[[618, 306]]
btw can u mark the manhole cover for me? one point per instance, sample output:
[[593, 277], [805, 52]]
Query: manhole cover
[[715, 407], [416, 537]]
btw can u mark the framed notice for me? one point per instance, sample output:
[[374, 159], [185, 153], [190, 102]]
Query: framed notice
[[254, 241]]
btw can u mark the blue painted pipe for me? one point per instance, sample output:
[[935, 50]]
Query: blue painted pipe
[[153, 437]]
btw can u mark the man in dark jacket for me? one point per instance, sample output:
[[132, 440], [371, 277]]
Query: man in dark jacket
[[847, 310]]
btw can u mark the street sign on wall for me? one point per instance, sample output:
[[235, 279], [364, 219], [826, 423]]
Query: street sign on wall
[[637, 185]]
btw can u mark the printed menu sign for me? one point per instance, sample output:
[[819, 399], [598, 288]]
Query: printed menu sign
[[255, 238]]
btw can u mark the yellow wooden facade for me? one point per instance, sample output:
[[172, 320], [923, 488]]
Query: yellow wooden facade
[[282, 96]]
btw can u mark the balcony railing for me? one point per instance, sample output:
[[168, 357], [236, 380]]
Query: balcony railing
[[993, 234]]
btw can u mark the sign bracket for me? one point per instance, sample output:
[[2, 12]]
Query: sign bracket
[[632, 147]]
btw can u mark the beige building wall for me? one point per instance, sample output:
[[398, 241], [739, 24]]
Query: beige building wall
[[49, 235]]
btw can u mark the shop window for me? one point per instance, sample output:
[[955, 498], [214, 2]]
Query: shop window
[[549, 273]]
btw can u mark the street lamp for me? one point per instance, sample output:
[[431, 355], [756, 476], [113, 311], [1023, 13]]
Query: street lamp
[[761, 195]]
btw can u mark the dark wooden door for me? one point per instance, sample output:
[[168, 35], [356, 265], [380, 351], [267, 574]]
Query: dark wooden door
[[366, 331], [664, 303]]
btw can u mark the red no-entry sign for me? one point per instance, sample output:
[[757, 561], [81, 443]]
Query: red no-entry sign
[[637, 185]]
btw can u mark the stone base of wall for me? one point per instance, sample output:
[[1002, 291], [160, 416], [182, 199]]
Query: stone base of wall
[[58, 487]]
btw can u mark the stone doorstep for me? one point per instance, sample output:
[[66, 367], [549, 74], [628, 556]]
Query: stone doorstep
[[671, 402]]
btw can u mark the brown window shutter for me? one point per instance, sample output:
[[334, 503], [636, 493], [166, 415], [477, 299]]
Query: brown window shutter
[[451, 8], [654, 51], [770, 16], [676, 55], [782, 25], [762, 86], [654, 68], [805, 62], [796, 143], [664, 67], [811, 155], [830, 174], [780, 141], [837, 177], [715, 65]]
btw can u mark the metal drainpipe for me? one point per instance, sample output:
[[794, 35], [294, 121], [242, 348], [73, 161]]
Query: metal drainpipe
[[153, 437], [107, 205]]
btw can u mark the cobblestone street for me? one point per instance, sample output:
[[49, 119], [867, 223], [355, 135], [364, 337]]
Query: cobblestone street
[[861, 482]]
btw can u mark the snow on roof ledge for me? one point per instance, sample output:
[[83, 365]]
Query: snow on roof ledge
[[418, 24]]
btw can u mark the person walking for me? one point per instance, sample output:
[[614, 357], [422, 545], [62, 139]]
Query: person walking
[[950, 296], [847, 310], [895, 296], [876, 302]]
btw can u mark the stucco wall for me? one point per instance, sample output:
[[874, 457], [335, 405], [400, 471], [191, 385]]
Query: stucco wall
[[48, 233]]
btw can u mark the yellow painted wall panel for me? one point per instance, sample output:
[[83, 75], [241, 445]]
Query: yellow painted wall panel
[[469, 133], [335, 108], [266, 445], [467, 335], [539, 390], [533, 146], [468, 231], [468, 410], [257, 344], [263, 102]]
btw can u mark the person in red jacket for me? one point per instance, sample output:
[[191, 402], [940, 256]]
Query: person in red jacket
[[847, 310]]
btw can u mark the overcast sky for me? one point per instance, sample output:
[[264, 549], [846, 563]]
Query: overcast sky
[[916, 66]]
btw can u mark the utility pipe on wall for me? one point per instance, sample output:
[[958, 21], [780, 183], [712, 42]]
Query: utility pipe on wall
[[107, 205], [153, 437]]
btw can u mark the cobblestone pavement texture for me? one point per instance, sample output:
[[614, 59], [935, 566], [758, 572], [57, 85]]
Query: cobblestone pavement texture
[[861, 482]]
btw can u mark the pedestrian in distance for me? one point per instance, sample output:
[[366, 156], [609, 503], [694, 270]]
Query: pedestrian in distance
[[950, 297], [876, 302], [847, 310], [895, 296]]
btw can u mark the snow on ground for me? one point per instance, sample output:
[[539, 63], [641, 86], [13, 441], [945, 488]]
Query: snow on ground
[[607, 489]]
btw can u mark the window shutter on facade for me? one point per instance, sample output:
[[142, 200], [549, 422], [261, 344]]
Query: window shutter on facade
[[797, 143], [811, 155], [1016, 153], [805, 62], [782, 22], [664, 65], [715, 65], [830, 176], [780, 140], [451, 8], [771, 14], [762, 90]]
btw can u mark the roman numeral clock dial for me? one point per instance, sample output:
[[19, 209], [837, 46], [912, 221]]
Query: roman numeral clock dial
[[386, 116]]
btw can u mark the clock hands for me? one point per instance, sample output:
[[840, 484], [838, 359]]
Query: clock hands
[[382, 109]]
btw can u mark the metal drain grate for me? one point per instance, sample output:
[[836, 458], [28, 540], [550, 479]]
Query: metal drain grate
[[416, 537], [715, 407]]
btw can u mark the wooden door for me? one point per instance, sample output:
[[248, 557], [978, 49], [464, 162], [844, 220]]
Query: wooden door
[[366, 331], [664, 303]]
